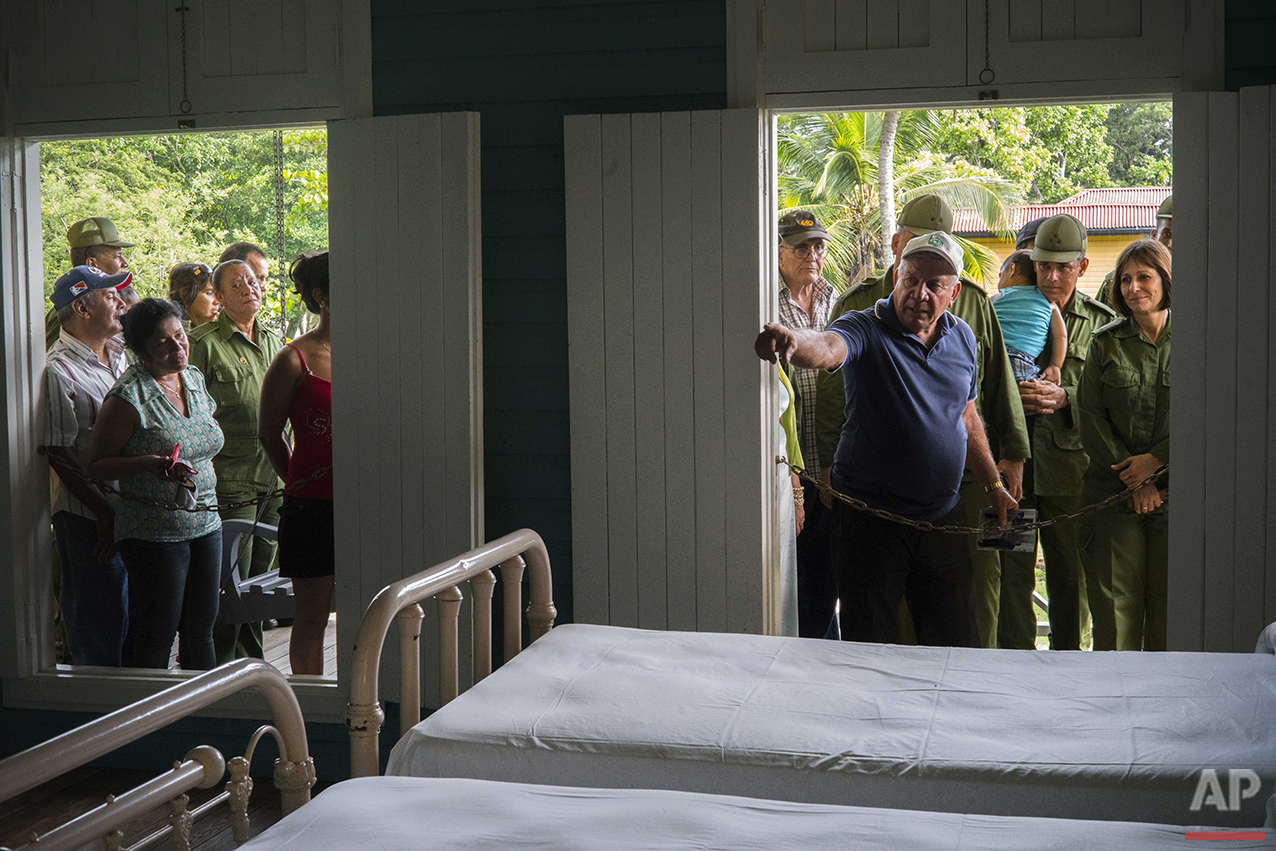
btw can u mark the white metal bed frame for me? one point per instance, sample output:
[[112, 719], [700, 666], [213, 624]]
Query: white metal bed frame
[[202, 768], [399, 602]]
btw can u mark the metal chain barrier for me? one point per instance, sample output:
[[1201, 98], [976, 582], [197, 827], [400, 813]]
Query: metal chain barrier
[[278, 144], [950, 529], [172, 506], [185, 105]]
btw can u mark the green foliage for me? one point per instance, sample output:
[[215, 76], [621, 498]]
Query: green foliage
[[828, 164], [1141, 136], [184, 197], [985, 159], [1048, 152]]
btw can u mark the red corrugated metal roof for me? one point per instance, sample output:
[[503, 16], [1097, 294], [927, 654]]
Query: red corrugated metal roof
[[1098, 209]]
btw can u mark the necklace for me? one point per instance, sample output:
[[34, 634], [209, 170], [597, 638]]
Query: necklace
[[172, 391]]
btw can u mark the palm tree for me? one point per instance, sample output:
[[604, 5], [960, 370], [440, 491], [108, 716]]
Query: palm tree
[[828, 163]]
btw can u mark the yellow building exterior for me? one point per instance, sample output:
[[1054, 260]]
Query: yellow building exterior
[[1104, 249]]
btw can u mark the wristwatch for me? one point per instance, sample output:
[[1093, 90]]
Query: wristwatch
[[992, 487]]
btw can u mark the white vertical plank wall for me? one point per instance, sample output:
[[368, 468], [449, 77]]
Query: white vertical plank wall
[[407, 310], [665, 232], [1222, 584], [1185, 610], [26, 611]]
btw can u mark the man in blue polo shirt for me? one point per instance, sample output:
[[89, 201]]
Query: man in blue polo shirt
[[911, 428]]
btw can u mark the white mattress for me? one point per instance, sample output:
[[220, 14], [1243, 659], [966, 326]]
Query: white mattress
[[402, 813], [1120, 736]]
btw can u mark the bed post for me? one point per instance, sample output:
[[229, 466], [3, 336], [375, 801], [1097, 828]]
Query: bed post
[[409, 621], [512, 593], [482, 586], [541, 613], [449, 602]]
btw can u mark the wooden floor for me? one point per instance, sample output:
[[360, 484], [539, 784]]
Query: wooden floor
[[276, 640], [275, 648], [79, 791]]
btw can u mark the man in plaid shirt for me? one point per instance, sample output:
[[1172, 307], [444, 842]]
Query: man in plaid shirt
[[806, 301]]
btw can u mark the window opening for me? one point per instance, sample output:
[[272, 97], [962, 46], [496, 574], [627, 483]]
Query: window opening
[[1108, 164], [182, 198]]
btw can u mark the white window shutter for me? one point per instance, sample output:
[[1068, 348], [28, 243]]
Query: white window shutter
[[407, 365], [666, 222]]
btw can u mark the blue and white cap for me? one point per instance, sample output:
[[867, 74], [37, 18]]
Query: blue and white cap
[[83, 279]]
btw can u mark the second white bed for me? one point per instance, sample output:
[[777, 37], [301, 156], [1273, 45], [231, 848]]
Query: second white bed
[[403, 812], [1122, 736]]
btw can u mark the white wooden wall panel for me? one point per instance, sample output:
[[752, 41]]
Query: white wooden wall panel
[[1221, 425], [680, 388], [649, 381], [583, 153], [26, 611], [831, 45], [241, 57], [1269, 560], [1221, 559], [1253, 280], [744, 378], [708, 429], [850, 46], [619, 365], [1059, 40], [407, 414], [51, 83], [1185, 607], [254, 55], [664, 225]]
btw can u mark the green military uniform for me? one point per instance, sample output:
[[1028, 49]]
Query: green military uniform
[[52, 328], [1104, 295], [997, 403], [233, 368], [1124, 401], [1052, 485]]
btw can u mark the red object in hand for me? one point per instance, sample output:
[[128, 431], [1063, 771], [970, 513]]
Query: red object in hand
[[185, 471]]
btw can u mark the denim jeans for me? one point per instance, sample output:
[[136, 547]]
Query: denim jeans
[[173, 588], [94, 594]]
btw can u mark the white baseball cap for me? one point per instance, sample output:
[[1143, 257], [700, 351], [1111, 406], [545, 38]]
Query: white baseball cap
[[940, 245]]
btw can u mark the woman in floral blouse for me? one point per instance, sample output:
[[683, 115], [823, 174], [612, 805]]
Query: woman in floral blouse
[[157, 436]]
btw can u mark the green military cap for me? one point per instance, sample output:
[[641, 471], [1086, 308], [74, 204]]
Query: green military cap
[[797, 226], [95, 231], [1166, 210], [926, 214], [1060, 239]]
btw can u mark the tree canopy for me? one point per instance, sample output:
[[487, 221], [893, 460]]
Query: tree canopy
[[829, 164], [183, 197]]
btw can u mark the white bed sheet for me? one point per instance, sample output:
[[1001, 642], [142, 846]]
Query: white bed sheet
[[1120, 736], [402, 813]]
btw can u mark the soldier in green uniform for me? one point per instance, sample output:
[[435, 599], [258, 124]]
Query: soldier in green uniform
[[1124, 400], [1162, 232], [997, 402], [234, 353], [94, 242], [1052, 479]]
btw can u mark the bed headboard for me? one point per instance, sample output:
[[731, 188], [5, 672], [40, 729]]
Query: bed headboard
[[399, 602], [203, 767]]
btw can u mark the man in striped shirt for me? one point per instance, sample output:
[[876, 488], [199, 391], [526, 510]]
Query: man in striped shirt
[[805, 302], [80, 370]]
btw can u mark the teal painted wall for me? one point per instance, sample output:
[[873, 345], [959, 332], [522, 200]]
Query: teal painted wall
[[523, 65], [1249, 33]]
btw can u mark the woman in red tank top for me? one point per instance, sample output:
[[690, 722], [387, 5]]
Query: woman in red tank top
[[297, 389]]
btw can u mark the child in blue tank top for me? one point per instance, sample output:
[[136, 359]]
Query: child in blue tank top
[[1027, 319]]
